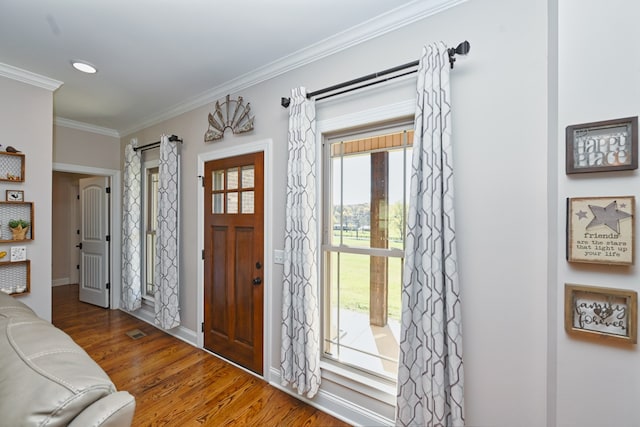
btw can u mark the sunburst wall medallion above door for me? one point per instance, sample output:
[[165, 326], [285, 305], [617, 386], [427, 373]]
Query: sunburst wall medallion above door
[[232, 114]]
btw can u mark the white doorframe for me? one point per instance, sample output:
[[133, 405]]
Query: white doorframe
[[252, 147], [115, 221], [74, 238]]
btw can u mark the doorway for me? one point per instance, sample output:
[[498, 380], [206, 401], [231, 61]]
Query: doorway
[[234, 259], [66, 220]]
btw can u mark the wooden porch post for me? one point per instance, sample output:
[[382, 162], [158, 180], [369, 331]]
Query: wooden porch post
[[378, 272]]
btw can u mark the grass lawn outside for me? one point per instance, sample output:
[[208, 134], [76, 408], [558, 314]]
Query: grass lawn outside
[[354, 281]]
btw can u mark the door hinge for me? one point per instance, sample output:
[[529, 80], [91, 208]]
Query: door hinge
[[108, 238], [77, 231], [108, 286], [203, 254], [202, 327], [78, 197], [77, 266], [108, 189]]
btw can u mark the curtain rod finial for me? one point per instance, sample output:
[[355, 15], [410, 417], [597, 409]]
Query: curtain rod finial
[[285, 102], [462, 49]]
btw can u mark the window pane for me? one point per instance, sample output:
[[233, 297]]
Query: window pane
[[351, 214], [150, 249], [232, 179], [218, 203], [398, 195], [350, 336], [247, 202], [247, 177], [366, 210], [218, 180], [152, 199], [232, 203]]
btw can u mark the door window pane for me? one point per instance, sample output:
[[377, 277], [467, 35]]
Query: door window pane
[[218, 180], [232, 203], [218, 203], [247, 202], [248, 177], [232, 179]]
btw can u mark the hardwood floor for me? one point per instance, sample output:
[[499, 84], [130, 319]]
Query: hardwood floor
[[174, 383]]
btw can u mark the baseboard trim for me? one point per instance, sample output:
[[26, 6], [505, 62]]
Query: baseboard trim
[[334, 405], [61, 281]]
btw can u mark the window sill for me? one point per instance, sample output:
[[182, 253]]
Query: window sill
[[375, 388]]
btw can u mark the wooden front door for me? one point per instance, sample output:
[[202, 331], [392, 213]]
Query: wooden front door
[[233, 258]]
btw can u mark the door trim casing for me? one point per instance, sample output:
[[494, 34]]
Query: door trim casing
[[264, 145], [114, 221]]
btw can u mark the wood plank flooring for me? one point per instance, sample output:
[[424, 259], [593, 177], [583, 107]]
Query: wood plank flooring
[[174, 383]]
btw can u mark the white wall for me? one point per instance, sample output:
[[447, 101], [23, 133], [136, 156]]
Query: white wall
[[599, 79], [79, 147], [26, 121], [500, 134]]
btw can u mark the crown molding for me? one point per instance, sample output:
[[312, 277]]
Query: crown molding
[[28, 77], [72, 124], [368, 30]]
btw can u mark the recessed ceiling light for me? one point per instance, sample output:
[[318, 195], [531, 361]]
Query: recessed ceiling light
[[84, 66]]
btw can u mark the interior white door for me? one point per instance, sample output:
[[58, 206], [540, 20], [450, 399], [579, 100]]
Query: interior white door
[[94, 241]]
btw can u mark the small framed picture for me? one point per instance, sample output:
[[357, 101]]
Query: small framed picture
[[600, 230], [18, 253], [601, 312], [15, 196], [610, 145]]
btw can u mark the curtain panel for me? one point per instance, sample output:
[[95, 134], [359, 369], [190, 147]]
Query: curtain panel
[[430, 374], [131, 229], [166, 283], [300, 353]]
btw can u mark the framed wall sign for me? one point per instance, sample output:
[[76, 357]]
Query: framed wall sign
[[18, 253], [600, 230], [601, 312], [610, 145], [15, 196]]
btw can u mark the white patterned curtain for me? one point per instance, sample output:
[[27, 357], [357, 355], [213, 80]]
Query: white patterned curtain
[[300, 353], [131, 216], [430, 374], [166, 264]]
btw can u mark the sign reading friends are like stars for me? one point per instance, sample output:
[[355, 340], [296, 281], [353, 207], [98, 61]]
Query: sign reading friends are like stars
[[600, 230]]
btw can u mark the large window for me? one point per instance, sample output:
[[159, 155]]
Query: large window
[[365, 206], [150, 224]]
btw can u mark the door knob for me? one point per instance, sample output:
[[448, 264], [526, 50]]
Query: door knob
[[79, 245], [257, 280]]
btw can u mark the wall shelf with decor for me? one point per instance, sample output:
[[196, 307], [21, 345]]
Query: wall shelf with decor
[[12, 211], [15, 277], [11, 167]]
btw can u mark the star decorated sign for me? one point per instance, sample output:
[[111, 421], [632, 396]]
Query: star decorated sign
[[600, 230]]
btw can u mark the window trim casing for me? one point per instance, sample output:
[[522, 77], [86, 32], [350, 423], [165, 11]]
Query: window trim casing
[[146, 166], [399, 125], [331, 371]]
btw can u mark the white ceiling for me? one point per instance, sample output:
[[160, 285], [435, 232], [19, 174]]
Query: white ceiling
[[159, 57]]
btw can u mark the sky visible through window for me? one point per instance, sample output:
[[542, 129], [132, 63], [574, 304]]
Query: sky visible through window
[[357, 182]]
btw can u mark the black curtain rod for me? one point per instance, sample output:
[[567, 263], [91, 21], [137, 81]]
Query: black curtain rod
[[461, 49], [156, 144]]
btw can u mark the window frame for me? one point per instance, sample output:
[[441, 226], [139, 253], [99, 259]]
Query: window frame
[[378, 384], [148, 168]]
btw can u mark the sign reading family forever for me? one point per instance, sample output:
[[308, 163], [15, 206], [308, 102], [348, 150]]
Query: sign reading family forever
[[600, 230]]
